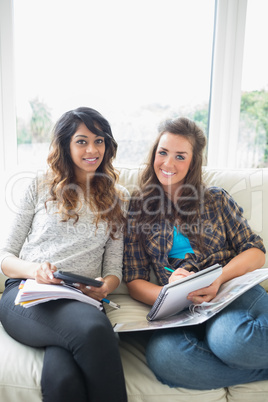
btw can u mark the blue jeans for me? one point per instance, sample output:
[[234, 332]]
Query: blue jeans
[[231, 348]]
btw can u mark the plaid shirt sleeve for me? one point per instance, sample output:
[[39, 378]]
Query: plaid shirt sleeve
[[136, 262]]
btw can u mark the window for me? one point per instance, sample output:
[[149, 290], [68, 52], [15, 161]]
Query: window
[[137, 62], [133, 95], [253, 128]]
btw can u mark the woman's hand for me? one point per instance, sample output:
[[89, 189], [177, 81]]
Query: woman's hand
[[97, 293], [179, 273], [205, 294], [44, 273]]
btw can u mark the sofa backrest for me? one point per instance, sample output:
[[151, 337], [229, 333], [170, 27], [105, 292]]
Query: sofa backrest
[[249, 187]]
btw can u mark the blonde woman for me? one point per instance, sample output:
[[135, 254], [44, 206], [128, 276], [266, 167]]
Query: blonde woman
[[176, 222]]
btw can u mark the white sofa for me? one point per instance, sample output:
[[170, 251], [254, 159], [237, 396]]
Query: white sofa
[[21, 366]]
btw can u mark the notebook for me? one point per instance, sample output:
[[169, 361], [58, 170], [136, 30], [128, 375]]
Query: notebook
[[173, 297]]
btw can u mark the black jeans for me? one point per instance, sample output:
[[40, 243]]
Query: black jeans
[[82, 361]]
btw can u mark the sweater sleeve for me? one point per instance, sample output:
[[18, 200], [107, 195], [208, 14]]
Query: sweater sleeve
[[113, 254], [113, 257]]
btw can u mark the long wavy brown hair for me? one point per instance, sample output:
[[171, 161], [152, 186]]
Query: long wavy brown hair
[[103, 197], [185, 210]]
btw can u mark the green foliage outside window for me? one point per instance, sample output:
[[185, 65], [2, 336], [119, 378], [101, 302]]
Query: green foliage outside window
[[253, 132], [38, 129], [254, 116]]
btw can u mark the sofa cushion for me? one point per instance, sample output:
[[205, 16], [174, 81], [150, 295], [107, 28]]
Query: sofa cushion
[[255, 391], [20, 370]]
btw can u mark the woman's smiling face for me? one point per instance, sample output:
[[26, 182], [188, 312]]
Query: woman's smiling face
[[87, 151], [172, 161]]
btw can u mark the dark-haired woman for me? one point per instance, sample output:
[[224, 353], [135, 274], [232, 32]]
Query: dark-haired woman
[[71, 218], [175, 221]]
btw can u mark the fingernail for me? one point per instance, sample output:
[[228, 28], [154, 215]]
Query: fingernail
[[51, 276], [77, 285], [88, 287]]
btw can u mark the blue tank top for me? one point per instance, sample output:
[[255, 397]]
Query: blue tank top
[[181, 245]]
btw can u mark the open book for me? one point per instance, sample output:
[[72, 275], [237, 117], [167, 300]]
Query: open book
[[31, 293], [199, 313]]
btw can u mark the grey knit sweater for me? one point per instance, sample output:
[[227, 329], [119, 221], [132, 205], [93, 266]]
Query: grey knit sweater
[[38, 234]]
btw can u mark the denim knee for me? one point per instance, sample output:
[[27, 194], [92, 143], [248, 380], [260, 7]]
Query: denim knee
[[160, 357], [239, 334], [178, 358], [172, 356]]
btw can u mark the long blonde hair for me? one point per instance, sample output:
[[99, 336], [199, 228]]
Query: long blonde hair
[[191, 195]]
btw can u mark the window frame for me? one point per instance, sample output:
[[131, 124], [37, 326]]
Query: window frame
[[8, 138], [225, 93], [226, 80]]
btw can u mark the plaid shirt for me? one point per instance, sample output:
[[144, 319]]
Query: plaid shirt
[[225, 233]]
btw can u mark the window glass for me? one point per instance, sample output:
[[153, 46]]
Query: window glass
[[253, 133], [137, 62]]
